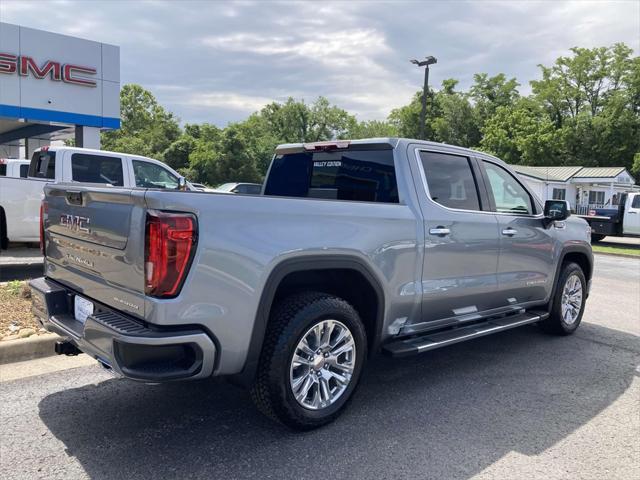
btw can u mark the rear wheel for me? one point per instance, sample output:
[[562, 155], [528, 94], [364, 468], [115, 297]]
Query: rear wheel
[[311, 361], [568, 303], [596, 237]]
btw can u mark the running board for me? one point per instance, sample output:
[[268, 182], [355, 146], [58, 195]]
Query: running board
[[424, 343]]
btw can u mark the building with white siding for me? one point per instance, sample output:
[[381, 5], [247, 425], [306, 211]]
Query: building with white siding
[[583, 187]]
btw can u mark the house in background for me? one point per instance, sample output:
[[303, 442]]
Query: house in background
[[584, 187]]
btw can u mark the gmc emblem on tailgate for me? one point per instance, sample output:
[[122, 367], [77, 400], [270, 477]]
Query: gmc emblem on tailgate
[[75, 223]]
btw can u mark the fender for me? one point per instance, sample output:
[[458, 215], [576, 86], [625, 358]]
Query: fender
[[301, 264], [576, 248]]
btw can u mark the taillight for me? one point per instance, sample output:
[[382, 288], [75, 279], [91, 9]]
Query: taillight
[[170, 240], [44, 208]]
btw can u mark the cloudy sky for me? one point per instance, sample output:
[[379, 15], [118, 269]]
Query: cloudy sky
[[219, 61]]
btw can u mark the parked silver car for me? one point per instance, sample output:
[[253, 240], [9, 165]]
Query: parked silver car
[[242, 188]]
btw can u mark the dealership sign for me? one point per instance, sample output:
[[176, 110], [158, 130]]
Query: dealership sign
[[56, 71]]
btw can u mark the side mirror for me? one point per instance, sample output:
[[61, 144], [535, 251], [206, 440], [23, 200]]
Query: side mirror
[[556, 210], [182, 183]]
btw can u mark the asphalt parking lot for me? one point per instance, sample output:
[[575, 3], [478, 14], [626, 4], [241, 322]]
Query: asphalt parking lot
[[517, 405]]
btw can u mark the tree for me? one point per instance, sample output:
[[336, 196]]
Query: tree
[[583, 81], [406, 119], [145, 125], [177, 154], [635, 168], [458, 122], [491, 93], [228, 159], [295, 121], [450, 117], [204, 153], [371, 129], [592, 98], [521, 134]]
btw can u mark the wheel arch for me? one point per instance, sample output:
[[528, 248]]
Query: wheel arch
[[580, 254], [313, 266]]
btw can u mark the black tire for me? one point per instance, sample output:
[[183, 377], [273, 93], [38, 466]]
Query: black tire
[[290, 321], [555, 323], [596, 237]]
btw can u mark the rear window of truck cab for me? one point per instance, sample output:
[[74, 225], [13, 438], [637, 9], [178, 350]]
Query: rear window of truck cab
[[356, 175], [43, 164]]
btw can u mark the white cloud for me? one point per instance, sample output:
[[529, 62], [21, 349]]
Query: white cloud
[[332, 48], [227, 100]]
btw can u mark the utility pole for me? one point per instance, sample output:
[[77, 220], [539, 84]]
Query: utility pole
[[430, 60]]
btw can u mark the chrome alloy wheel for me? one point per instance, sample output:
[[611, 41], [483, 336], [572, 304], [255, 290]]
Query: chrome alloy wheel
[[571, 299], [322, 364]]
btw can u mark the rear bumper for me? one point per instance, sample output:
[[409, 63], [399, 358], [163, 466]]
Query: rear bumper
[[131, 348]]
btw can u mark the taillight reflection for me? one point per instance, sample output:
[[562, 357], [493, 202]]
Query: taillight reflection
[[44, 209]]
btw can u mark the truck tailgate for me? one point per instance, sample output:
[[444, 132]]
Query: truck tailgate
[[95, 243]]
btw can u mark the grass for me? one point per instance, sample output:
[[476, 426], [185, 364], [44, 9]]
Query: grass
[[15, 309], [617, 249]]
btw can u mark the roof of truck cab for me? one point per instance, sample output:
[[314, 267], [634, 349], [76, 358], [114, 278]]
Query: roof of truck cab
[[94, 151], [394, 142]]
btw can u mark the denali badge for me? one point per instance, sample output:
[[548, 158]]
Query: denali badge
[[80, 260], [128, 304], [75, 223]]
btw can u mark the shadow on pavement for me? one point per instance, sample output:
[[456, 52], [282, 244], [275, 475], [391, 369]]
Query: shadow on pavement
[[445, 414]]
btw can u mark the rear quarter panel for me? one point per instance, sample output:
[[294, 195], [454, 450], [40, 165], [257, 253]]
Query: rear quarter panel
[[243, 238]]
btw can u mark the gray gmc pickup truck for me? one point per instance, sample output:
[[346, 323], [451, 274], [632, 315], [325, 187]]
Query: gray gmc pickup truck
[[353, 247]]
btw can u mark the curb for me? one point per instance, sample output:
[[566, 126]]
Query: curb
[[36, 346], [611, 254]]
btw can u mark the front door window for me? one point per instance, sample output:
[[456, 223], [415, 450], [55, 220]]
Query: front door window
[[508, 194]]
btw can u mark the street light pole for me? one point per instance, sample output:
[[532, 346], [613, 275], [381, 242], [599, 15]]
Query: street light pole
[[425, 63]]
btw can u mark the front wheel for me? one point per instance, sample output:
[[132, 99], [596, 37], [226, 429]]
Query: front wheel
[[311, 360], [568, 302]]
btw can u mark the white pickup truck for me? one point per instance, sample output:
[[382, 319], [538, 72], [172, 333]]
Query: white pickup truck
[[20, 197], [14, 167], [622, 220]]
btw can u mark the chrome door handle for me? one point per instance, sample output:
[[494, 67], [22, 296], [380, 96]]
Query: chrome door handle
[[509, 232], [439, 231]]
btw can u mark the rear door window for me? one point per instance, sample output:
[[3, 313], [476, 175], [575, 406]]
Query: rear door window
[[43, 165], [24, 171], [356, 175], [97, 169], [450, 180]]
